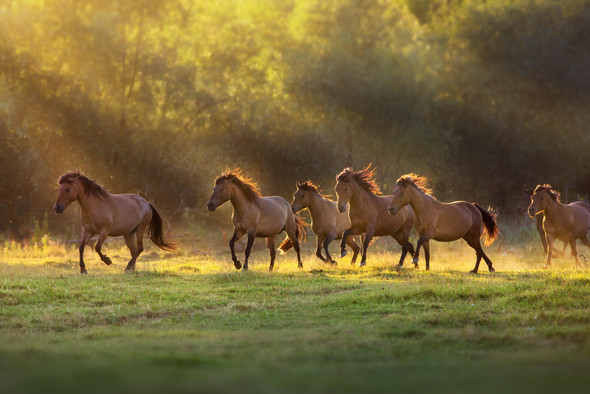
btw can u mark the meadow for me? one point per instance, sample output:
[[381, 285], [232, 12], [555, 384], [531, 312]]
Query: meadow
[[189, 322]]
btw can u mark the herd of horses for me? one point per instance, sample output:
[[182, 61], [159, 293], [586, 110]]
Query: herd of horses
[[361, 210]]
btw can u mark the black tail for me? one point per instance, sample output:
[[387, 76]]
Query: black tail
[[300, 226], [157, 235], [490, 226]]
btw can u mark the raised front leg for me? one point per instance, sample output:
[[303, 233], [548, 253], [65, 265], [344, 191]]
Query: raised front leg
[[85, 238], [237, 235], [251, 235], [101, 238]]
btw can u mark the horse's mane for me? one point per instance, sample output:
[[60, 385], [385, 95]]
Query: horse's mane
[[308, 185], [555, 195], [365, 178], [91, 187], [419, 182], [245, 184]]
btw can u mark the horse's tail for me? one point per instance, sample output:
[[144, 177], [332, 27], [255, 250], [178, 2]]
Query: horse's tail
[[157, 235], [300, 226], [490, 226]]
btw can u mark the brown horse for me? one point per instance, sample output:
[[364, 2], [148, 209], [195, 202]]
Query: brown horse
[[444, 222], [107, 214], [565, 222], [326, 222], [368, 211], [257, 216], [522, 208]]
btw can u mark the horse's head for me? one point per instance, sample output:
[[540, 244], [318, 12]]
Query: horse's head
[[67, 193], [300, 198], [525, 200], [401, 198], [221, 194], [540, 198], [344, 192]]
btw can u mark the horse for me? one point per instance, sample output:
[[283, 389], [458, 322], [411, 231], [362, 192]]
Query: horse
[[522, 208], [326, 222], [565, 222], [368, 211], [106, 214], [441, 221], [256, 216]]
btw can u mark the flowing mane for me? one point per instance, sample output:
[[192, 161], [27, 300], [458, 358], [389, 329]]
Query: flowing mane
[[247, 185], [365, 178], [417, 181], [91, 187], [555, 195], [308, 185]]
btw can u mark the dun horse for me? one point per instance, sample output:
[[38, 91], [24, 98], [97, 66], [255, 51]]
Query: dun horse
[[368, 211], [107, 214], [326, 222], [522, 208], [444, 222], [565, 222], [256, 216]]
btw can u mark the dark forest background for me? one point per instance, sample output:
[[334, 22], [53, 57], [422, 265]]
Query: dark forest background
[[159, 96]]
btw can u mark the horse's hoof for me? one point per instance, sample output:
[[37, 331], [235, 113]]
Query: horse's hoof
[[334, 263], [237, 264], [83, 272], [415, 261], [546, 267], [270, 268], [244, 267], [473, 272], [300, 265], [397, 268], [492, 270], [343, 253], [362, 264], [107, 261]]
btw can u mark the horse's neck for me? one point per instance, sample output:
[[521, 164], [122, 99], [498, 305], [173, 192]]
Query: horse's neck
[[361, 198], [89, 204], [553, 211], [240, 202], [420, 201], [317, 206]]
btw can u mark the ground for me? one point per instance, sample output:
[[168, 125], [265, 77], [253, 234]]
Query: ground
[[189, 322]]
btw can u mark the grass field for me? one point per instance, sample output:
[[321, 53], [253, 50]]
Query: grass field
[[189, 322]]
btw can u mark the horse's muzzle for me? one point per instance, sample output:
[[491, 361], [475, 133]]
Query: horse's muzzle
[[211, 206], [341, 208], [58, 208]]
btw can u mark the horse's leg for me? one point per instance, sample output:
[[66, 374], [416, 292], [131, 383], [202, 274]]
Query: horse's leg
[[541, 231], [366, 243], [574, 250], [426, 247], [425, 237], [101, 238], [85, 238], [270, 244], [318, 251], [237, 235], [355, 248], [130, 242], [345, 235], [251, 235], [292, 234], [550, 241], [329, 238], [586, 242]]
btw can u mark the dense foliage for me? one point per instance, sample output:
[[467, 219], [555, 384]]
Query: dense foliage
[[158, 97]]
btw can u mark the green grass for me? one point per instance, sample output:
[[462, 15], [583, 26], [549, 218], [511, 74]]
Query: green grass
[[189, 322]]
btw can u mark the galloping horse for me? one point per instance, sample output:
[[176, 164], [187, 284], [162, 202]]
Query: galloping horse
[[256, 216], [368, 211], [326, 222], [565, 222], [107, 214], [522, 208], [444, 222]]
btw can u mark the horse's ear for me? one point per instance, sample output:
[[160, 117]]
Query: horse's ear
[[298, 185]]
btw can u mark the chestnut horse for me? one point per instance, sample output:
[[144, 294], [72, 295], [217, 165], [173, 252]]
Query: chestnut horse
[[368, 211], [107, 214], [441, 221], [522, 208], [256, 216], [565, 222], [326, 222]]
